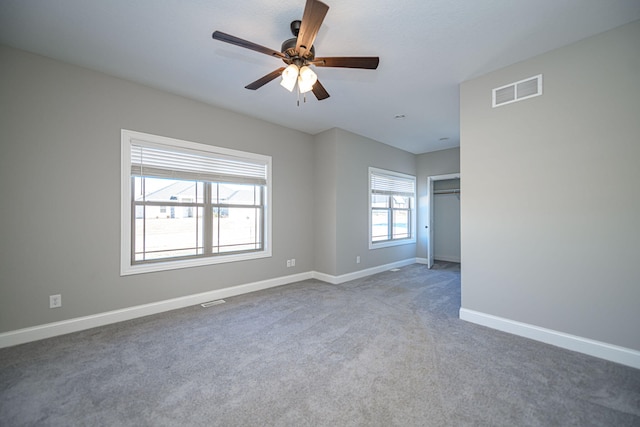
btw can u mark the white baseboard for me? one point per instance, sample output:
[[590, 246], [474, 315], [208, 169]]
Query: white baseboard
[[49, 330], [613, 353], [426, 261], [447, 258], [336, 280]]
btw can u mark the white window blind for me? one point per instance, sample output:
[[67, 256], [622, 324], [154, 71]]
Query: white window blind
[[151, 160], [392, 185]]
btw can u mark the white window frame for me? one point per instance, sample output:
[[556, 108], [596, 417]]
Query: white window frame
[[394, 242], [126, 267]]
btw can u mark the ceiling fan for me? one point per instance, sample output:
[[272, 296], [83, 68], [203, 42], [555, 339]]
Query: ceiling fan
[[299, 54]]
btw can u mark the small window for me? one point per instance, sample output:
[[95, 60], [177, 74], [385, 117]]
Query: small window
[[392, 208], [187, 204]]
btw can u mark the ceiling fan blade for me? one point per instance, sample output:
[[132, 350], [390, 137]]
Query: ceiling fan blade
[[319, 91], [366, 62], [227, 38], [264, 80], [314, 13]]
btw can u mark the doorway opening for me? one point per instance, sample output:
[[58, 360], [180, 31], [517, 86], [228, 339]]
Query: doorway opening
[[443, 210]]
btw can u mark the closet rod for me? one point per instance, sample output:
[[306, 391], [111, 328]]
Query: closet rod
[[452, 191]]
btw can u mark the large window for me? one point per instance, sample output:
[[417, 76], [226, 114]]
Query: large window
[[187, 204], [392, 208]]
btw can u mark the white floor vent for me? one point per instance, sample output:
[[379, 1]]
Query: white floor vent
[[211, 303], [513, 92]]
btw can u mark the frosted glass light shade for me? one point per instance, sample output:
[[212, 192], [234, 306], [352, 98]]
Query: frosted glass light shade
[[289, 77], [306, 79]]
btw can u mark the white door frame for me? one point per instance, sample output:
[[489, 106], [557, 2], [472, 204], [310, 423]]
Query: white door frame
[[430, 181]]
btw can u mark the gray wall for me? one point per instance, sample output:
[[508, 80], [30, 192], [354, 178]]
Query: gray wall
[[60, 184], [325, 203], [429, 164], [345, 212], [551, 200]]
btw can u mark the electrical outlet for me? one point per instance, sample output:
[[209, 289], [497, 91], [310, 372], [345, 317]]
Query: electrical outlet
[[55, 301], [358, 259], [288, 263], [293, 262]]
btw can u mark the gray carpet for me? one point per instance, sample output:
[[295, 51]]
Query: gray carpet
[[387, 350]]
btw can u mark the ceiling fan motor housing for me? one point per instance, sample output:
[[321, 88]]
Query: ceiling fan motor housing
[[289, 49], [289, 46]]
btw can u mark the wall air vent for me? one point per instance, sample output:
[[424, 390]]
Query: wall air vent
[[523, 89]]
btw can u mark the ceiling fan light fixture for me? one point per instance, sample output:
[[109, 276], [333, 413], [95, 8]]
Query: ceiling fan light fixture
[[306, 79], [299, 52], [289, 77]]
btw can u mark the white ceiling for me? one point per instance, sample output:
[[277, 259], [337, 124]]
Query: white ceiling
[[426, 49]]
